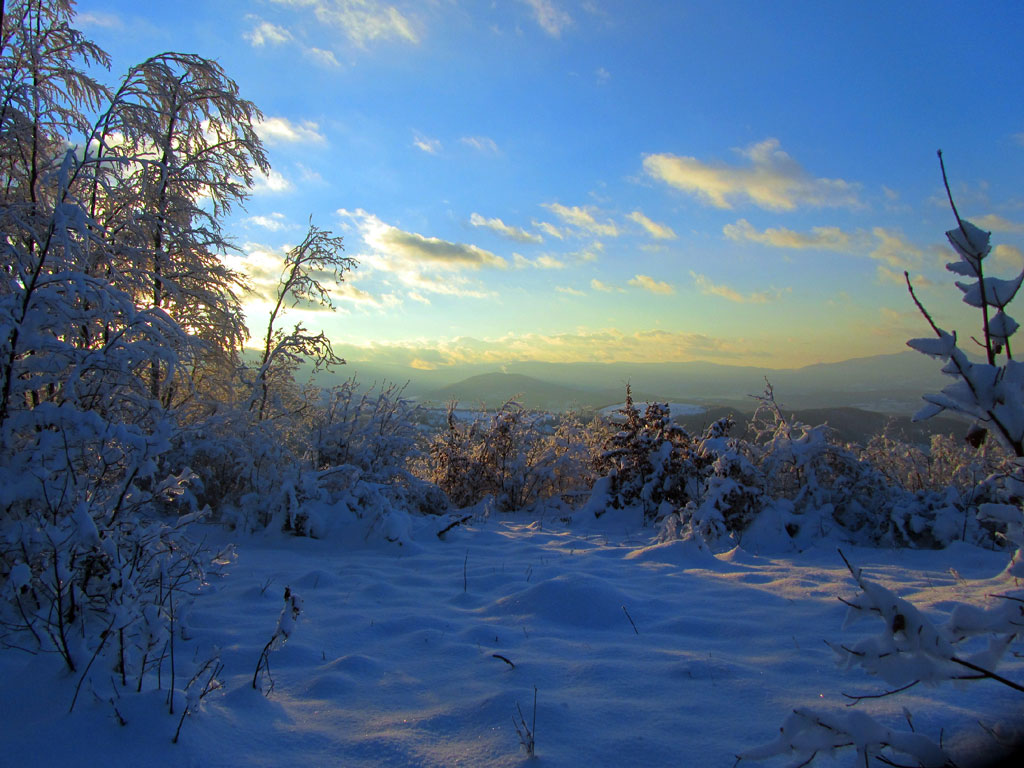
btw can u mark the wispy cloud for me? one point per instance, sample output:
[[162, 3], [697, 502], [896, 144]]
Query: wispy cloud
[[996, 223], [569, 290], [544, 261], [824, 238], [1008, 256], [603, 345], [549, 16], [99, 19], [271, 182], [897, 277], [648, 283], [426, 144], [322, 57], [503, 229], [424, 264], [275, 222], [770, 179], [481, 144], [361, 21], [281, 130], [895, 250], [582, 217], [654, 229], [598, 285], [263, 267], [264, 33], [549, 229], [710, 288]]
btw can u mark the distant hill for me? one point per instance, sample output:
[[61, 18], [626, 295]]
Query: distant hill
[[883, 383]]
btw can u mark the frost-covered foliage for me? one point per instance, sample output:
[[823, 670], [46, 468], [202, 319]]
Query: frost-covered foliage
[[648, 462], [94, 559], [911, 648], [991, 393], [516, 456], [285, 627]]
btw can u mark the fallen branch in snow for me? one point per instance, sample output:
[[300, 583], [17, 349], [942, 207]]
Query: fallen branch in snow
[[499, 656], [443, 531]]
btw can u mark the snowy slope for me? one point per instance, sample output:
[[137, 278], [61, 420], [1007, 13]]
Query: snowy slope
[[393, 659]]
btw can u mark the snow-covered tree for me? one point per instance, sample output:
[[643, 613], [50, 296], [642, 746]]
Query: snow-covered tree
[[94, 560], [317, 258]]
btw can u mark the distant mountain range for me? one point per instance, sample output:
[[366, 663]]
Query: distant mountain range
[[883, 383]]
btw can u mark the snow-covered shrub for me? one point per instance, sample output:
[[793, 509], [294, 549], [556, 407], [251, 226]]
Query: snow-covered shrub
[[992, 393], [647, 463], [911, 648], [516, 456]]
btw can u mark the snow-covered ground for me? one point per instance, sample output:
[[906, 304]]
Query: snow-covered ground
[[641, 654]]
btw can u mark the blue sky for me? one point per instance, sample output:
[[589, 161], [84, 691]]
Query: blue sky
[[565, 180]]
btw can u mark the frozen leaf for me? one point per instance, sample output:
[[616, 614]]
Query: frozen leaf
[[997, 293], [970, 241], [1002, 327], [941, 346]]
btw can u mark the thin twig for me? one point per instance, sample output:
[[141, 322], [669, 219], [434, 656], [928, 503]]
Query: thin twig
[[630, 620], [857, 699]]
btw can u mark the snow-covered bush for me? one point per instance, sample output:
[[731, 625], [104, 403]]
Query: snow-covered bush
[[911, 648], [516, 456], [647, 463]]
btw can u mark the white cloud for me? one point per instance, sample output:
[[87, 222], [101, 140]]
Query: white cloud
[[897, 277], [430, 146], [99, 19], [271, 182], [604, 345], [709, 288], [771, 179], [582, 217], [503, 229], [598, 285], [481, 144], [361, 21], [996, 223], [1008, 256], [322, 57], [275, 222], [648, 283], [550, 17], [308, 175], [265, 33], [895, 250], [654, 229], [281, 130], [569, 290], [424, 264], [824, 238], [549, 229], [603, 75]]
